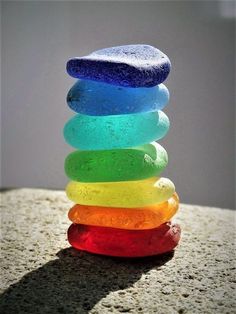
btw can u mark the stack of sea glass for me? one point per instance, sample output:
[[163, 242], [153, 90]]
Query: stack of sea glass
[[122, 206]]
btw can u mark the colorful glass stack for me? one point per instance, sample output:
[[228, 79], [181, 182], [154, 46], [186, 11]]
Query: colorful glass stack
[[122, 206]]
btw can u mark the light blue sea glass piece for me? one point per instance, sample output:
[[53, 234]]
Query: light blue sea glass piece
[[101, 99], [118, 131]]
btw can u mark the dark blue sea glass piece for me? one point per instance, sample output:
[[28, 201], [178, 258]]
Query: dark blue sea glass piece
[[102, 99], [129, 66]]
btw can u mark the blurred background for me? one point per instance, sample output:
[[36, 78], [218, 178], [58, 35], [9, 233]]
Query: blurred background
[[38, 37]]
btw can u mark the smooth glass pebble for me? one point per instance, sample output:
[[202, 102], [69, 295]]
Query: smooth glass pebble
[[101, 99], [129, 66], [124, 243], [118, 131], [126, 164], [125, 218], [121, 194]]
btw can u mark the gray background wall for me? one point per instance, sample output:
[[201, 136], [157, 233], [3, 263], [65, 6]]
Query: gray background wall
[[39, 37]]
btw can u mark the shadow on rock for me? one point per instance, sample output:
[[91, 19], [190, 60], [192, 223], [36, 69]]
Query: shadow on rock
[[74, 282]]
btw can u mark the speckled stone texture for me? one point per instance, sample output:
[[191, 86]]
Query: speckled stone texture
[[41, 274]]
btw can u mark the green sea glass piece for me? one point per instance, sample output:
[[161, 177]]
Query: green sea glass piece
[[127, 164]]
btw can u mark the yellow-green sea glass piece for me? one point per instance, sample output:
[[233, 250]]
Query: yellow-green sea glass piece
[[121, 194]]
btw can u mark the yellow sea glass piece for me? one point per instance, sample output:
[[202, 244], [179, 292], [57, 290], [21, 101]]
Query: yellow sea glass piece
[[147, 217], [121, 194]]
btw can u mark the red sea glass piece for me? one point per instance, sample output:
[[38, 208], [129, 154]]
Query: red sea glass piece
[[124, 243]]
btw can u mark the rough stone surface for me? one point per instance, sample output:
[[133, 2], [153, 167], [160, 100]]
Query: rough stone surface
[[41, 274]]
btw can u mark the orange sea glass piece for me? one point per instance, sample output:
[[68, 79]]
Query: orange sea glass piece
[[125, 218]]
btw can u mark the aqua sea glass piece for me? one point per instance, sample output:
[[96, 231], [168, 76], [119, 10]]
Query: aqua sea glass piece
[[118, 131], [125, 164], [101, 99]]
